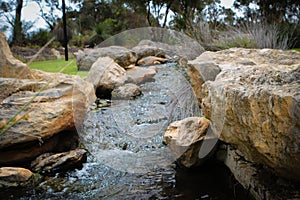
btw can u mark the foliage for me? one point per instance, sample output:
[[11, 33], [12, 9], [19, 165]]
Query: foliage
[[93, 21], [38, 38], [280, 11]]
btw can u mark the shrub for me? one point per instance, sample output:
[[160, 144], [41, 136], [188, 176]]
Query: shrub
[[39, 38]]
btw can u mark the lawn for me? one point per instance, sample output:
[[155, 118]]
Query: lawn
[[59, 65], [297, 49]]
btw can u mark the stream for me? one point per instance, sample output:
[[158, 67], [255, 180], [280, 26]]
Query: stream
[[127, 158]]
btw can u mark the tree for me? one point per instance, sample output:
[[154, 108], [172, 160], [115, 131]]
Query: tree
[[279, 11]]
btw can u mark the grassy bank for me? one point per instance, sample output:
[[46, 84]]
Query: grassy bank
[[59, 65]]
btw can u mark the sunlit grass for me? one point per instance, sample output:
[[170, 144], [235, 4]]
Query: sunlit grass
[[69, 67]]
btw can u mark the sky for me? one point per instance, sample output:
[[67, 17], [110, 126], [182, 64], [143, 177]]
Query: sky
[[31, 13]]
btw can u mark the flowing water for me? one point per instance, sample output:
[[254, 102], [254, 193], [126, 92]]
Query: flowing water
[[127, 158]]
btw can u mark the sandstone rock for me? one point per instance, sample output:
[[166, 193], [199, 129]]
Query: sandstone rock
[[52, 163], [54, 107], [39, 115], [138, 75], [106, 75], [259, 181], [10, 67], [127, 91], [142, 51], [184, 138], [200, 72], [55, 53], [185, 47], [151, 60], [256, 107], [121, 55], [14, 175]]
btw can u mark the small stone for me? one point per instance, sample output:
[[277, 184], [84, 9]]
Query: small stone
[[127, 91], [52, 163], [14, 174], [184, 139]]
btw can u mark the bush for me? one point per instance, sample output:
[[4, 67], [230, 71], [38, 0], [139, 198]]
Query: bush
[[39, 38], [250, 35]]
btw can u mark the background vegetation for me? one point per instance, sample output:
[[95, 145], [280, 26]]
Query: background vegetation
[[258, 24]]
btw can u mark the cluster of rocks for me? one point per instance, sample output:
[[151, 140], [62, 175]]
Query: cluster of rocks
[[252, 100], [117, 71], [37, 117]]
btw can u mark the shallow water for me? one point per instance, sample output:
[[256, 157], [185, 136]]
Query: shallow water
[[128, 159]]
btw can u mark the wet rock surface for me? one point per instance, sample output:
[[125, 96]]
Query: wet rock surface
[[139, 75], [12, 176], [185, 137], [127, 91], [50, 163]]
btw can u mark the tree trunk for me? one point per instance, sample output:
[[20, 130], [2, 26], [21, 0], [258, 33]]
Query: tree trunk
[[17, 29]]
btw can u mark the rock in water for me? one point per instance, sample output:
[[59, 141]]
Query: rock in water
[[151, 60], [127, 91], [255, 104], [106, 75], [52, 163], [139, 75], [185, 137], [14, 175]]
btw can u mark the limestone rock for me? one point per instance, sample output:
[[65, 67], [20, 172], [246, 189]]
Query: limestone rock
[[257, 107], [185, 137], [121, 55], [52, 163], [106, 75], [138, 75], [127, 91], [14, 175], [10, 67]]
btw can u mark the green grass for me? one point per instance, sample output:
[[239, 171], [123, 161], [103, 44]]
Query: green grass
[[59, 65], [297, 49]]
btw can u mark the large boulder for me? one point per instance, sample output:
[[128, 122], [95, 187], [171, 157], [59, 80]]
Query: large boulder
[[10, 67], [254, 104], [184, 47], [142, 51], [39, 114], [105, 75], [185, 137], [199, 72], [121, 55]]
